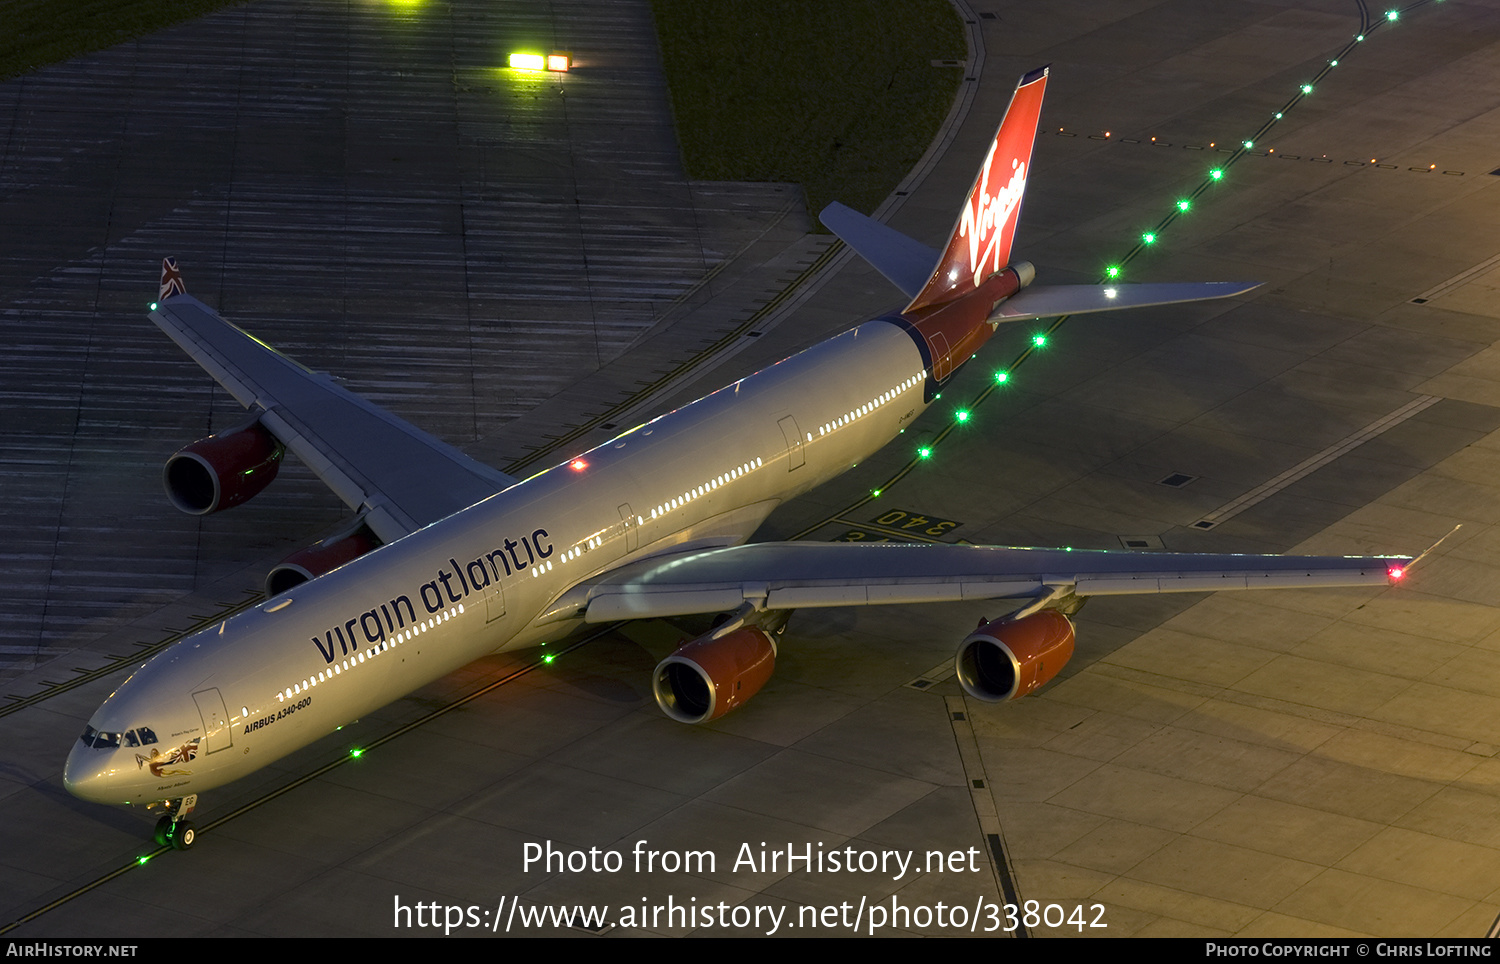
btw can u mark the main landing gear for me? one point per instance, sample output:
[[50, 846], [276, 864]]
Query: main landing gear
[[173, 827]]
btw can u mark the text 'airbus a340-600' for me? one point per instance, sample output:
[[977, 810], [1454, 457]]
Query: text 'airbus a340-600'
[[452, 560]]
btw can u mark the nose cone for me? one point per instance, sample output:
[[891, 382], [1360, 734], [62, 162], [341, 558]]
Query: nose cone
[[87, 773], [99, 777]]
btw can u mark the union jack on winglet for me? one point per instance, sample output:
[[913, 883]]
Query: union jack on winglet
[[171, 280]]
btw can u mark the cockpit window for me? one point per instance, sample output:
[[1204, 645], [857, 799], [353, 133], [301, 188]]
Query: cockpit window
[[140, 736]]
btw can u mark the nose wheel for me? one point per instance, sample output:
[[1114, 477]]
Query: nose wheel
[[180, 834], [173, 828]]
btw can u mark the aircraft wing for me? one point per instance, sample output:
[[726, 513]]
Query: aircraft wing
[[402, 477], [790, 575]]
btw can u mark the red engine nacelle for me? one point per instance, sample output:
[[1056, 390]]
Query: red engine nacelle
[[706, 678], [1005, 660], [316, 559], [221, 471]]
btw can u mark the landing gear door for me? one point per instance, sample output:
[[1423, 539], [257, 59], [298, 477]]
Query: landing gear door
[[217, 733]]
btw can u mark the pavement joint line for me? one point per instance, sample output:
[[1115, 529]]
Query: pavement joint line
[[1212, 692], [976, 781], [1459, 280], [1311, 464]]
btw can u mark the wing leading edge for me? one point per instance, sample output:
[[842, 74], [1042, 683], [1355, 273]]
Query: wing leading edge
[[788, 575], [400, 476]]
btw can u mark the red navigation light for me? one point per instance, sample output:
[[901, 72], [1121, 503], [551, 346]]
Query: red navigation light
[[1395, 572], [578, 465]]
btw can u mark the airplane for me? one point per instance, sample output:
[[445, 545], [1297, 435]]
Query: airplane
[[452, 560]]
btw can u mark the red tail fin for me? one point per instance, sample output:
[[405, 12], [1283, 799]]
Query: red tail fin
[[981, 239]]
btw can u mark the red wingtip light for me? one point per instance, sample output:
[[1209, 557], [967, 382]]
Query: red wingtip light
[[578, 465], [1395, 572]]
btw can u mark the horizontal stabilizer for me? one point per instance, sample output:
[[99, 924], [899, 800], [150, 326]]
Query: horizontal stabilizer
[[906, 262], [1051, 301]]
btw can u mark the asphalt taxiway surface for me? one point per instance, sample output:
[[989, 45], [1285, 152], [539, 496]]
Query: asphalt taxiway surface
[[1301, 763]]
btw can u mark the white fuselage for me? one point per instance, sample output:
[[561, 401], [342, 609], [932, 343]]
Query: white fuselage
[[236, 697]]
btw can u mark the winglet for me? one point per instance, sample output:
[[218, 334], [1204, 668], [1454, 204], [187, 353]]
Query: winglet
[[171, 280], [981, 240]]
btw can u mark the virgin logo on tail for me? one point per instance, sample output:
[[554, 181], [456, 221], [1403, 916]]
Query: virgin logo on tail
[[980, 243], [986, 216]]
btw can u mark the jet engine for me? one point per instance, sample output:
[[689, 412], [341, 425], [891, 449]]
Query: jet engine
[[1005, 659], [316, 559], [222, 471], [708, 677]]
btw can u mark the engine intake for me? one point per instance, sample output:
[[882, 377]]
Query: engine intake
[[706, 678], [316, 559], [222, 471], [1007, 659]]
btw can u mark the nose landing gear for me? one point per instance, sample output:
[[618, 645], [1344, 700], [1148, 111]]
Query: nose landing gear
[[173, 827]]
